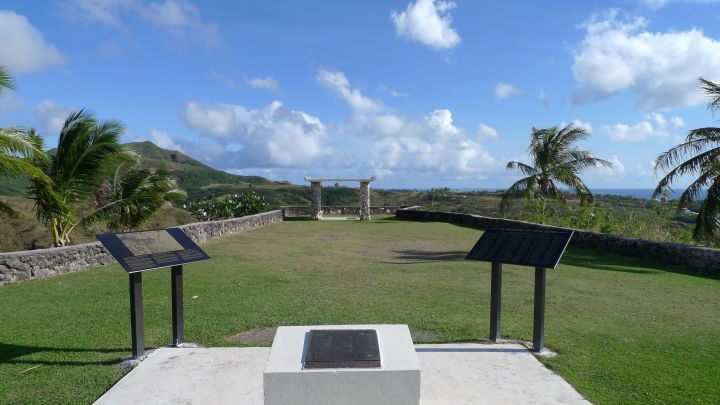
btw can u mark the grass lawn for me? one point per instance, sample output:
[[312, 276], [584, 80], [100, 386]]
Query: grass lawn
[[625, 331]]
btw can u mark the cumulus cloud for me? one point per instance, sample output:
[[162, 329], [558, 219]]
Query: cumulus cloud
[[655, 125], [51, 116], [164, 140], [428, 22], [578, 123], [487, 132], [180, 18], [267, 83], [505, 90], [229, 82], [429, 144], [273, 136], [544, 98], [656, 4], [24, 49], [619, 54]]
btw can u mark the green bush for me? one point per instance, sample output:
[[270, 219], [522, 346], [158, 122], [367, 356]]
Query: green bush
[[236, 205]]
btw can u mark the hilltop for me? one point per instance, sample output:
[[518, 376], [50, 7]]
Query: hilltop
[[192, 175]]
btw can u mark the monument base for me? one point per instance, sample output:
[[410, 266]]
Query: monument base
[[396, 381]]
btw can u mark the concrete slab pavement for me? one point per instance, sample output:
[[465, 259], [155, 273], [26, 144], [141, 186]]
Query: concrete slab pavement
[[467, 373]]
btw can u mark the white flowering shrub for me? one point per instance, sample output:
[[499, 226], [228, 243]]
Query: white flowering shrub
[[236, 205]]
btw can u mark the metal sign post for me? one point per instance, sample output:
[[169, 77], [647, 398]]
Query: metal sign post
[[539, 248], [178, 321], [147, 250], [137, 323], [495, 300]]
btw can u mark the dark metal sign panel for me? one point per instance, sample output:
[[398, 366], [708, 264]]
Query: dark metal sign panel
[[524, 247], [147, 250], [342, 349]]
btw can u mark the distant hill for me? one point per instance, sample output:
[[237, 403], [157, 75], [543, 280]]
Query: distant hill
[[191, 174]]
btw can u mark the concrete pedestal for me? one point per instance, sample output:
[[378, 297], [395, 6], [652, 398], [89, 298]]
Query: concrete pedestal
[[396, 382]]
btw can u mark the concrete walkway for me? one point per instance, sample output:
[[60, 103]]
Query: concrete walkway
[[451, 374]]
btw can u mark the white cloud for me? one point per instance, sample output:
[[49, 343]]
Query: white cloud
[[180, 18], [544, 98], [505, 90], [487, 132], [273, 136], [227, 81], [267, 83], [164, 140], [51, 117], [617, 166], [428, 22], [661, 68], [24, 49], [430, 144], [339, 84], [656, 4], [586, 125], [654, 126]]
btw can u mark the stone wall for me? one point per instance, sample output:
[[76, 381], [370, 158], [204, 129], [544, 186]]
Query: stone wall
[[702, 260], [30, 264], [304, 211]]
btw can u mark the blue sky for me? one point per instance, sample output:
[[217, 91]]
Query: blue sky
[[419, 93]]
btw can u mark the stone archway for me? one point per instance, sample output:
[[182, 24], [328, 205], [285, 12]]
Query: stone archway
[[316, 203]]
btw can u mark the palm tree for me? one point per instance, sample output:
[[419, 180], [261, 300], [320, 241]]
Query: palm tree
[[88, 152], [16, 147], [131, 197], [555, 162], [698, 155]]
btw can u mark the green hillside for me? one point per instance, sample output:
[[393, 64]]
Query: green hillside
[[191, 174]]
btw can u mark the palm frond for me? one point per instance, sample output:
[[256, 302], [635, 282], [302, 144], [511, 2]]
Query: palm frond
[[137, 195], [524, 168], [526, 187], [696, 141], [6, 80], [713, 90], [708, 218]]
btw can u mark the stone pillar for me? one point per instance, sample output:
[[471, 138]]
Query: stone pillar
[[316, 203], [364, 200]]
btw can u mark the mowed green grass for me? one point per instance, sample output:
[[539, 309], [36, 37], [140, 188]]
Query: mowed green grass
[[625, 331]]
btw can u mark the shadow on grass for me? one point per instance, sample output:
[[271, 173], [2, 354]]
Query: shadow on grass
[[595, 260], [427, 256], [9, 354]]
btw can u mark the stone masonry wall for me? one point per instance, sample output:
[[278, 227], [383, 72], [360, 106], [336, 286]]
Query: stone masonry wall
[[31, 264], [704, 261]]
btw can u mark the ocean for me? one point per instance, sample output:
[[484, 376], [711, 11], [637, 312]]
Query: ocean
[[627, 192]]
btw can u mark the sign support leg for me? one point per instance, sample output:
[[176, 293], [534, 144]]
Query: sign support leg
[[495, 301], [539, 315], [177, 305], [137, 323]]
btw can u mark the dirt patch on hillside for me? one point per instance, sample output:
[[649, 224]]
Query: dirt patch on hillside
[[424, 336], [257, 337]]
